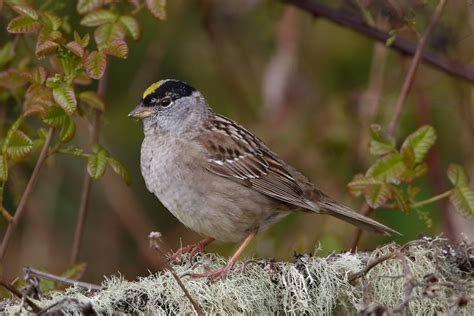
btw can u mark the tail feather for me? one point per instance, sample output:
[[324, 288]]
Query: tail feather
[[330, 207]]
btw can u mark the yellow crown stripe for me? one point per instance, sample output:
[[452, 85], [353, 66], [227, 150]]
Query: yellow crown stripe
[[152, 88]]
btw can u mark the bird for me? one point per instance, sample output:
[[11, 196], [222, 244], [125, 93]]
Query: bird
[[216, 177]]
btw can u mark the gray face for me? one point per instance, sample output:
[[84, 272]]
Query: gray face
[[171, 105]]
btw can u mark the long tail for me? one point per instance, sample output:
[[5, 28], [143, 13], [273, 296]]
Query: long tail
[[328, 206]]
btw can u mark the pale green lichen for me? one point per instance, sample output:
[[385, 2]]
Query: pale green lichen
[[310, 285]]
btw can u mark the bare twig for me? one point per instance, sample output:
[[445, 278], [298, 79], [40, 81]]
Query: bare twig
[[413, 67], [365, 210], [20, 295], [154, 238], [56, 278], [26, 194], [371, 265], [87, 182], [402, 45]]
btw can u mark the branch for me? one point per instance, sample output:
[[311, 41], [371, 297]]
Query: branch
[[413, 67], [399, 44], [87, 182], [26, 194], [59, 279], [20, 295]]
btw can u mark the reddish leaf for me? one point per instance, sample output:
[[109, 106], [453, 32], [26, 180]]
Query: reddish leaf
[[83, 41], [117, 48], [26, 10], [84, 6], [12, 78], [95, 64], [108, 32], [53, 21], [75, 48], [23, 24], [65, 98], [157, 8], [99, 17], [46, 48]]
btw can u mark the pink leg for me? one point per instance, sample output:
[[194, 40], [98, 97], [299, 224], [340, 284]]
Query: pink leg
[[217, 274], [191, 249]]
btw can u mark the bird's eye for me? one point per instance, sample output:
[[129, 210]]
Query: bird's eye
[[165, 102]]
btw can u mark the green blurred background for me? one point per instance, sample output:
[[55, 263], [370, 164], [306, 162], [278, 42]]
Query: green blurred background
[[305, 86]]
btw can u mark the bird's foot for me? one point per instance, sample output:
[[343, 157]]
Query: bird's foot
[[192, 250], [214, 275]]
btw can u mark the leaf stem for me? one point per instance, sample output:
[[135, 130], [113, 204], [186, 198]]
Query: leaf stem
[[26, 194], [432, 199]]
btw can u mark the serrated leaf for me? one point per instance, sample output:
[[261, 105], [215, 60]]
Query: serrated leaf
[[71, 150], [85, 6], [67, 131], [388, 168], [131, 25], [75, 48], [462, 198], [421, 141], [6, 53], [379, 148], [39, 75], [108, 32], [92, 99], [37, 99], [95, 64], [377, 195], [120, 170], [64, 96], [408, 156], [157, 8], [26, 10], [360, 182], [98, 17], [117, 48], [96, 163], [52, 21], [457, 175], [55, 117], [400, 200], [3, 168], [12, 78], [83, 41], [23, 24], [46, 48], [420, 170], [19, 146]]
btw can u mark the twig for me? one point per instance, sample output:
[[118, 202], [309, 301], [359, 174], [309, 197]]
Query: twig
[[87, 182], [56, 278], [371, 265], [413, 67], [365, 210], [20, 295], [26, 194], [402, 45], [154, 238]]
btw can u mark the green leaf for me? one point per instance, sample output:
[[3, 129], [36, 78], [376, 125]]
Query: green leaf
[[402, 202], [54, 22], [6, 53], [75, 272], [462, 198], [108, 32], [388, 168], [380, 144], [55, 117], [26, 10], [377, 195], [120, 170], [96, 163], [92, 99], [85, 6], [360, 182], [408, 156], [75, 48], [421, 141], [95, 64], [131, 25], [19, 146], [457, 175], [99, 17], [3, 168], [64, 96], [157, 8], [71, 150], [23, 24], [67, 131], [117, 48], [83, 41]]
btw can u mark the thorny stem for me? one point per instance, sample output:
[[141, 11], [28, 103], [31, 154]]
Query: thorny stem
[[26, 194], [432, 199], [399, 44], [87, 182], [392, 126], [60, 279]]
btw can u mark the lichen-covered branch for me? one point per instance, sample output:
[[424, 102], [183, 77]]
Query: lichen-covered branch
[[423, 277]]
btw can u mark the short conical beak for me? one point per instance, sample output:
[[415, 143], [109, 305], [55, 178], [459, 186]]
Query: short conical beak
[[140, 112]]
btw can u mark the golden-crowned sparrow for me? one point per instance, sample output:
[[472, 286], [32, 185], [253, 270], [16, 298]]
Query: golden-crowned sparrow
[[216, 177]]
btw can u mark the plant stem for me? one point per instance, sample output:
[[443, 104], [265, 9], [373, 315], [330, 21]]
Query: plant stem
[[26, 194], [392, 126], [357, 234], [432, 199], [60, 279], [87, 182]]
